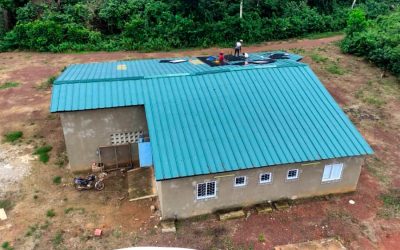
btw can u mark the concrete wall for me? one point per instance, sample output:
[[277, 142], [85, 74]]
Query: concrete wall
[[178, 196], [85, 131]]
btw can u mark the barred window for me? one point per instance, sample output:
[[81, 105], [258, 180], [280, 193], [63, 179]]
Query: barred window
[[240, 181], [206, 190], [265, 177], [293, 174]]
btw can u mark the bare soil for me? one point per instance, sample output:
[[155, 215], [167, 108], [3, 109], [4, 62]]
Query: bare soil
[[372, 102]]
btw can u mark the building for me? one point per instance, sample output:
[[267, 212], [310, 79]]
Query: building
[[218, 136]]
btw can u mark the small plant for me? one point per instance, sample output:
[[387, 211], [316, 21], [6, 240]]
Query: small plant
[[35, 197], [31, 230], [47, 84], [261, 238], [117, 233], [68, 210], [13, 136], [43, 153], [57, 239], [6, 246], [57, 180], [50, 213], [8, 85], [6, 204]]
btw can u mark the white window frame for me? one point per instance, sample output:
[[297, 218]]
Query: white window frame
[[241, 184], [334, 178], [265, 181], [206, 196], [292, 177]]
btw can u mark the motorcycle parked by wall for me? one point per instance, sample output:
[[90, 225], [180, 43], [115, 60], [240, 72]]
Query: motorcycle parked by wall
[[91, 181]]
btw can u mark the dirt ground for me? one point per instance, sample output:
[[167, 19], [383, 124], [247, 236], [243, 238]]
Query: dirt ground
[[46, 215]]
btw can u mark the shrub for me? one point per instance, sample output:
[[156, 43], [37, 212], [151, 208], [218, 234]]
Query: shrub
[[43, 153], [57, 180], [13, 136], [50, 213], [6, 246], [7, 85], [377, 40]]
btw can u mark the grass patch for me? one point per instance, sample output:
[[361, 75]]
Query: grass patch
[[261, 238], [57, 239], [335, 69], [43, 153], [81, 210], [6, 204], [323, 35], [6, 246], [31, 230], [13, 136], [378, 169], [8, 85], [47, 84], [391, 204], [117, 233], [50, 213], [57, 180], [318, 58]]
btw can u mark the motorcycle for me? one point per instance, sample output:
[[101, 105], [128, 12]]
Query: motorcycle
[[91, 181]]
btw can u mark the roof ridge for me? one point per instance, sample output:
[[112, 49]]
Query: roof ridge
[[206, 72]]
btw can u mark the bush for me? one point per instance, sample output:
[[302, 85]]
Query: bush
[[13, 136], [378, 40], [50, 213], [57, 180], [78, 25], [43, 153]]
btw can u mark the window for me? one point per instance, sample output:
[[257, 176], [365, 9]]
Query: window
[[265, 177], [125, 137], [206, 190], [240, 181], [293, 174], [332, 172]]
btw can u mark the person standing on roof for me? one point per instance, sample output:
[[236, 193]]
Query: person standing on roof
[[238, 47], [221, 58]]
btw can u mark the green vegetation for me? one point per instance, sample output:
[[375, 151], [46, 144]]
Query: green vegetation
[[57, 239], [57, 180], [50, 213], [6, 246], [47, 84], [31, 230], [13, 136], [83, 25], [391, 201], [378, 40], [334, 68], [6, 204], [7, 85], [261, 238], [43, 153], [318, 58]]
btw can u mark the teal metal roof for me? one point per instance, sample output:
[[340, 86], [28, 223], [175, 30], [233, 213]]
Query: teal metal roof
[[228, 119], [151, 68]]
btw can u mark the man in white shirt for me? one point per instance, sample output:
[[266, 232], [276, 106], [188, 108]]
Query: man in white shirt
[[238, 47]]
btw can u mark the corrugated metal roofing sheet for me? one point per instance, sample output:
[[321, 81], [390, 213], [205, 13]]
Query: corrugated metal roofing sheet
[[240, 119], [125, 70]]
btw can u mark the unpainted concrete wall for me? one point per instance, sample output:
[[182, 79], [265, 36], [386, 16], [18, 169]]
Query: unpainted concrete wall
[[178, 196], [85, 131]]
